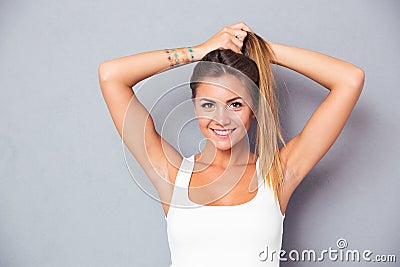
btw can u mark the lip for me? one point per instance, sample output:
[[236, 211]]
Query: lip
[[223, 136]]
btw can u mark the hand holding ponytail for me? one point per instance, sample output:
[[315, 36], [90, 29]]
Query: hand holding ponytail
[[230, 37]]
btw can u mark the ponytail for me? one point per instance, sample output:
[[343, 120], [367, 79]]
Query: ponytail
[[268, 132]]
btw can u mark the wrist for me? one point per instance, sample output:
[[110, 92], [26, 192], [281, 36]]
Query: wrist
[[182, 55], [272, 46], [179, 56], [199, 52], [275, 51]]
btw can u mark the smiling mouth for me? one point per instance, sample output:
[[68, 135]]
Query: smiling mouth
[[222, 133]]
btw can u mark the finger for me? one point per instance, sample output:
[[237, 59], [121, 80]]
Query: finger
[[241, 26], [239, 34], [237, 45], [237, 40], [234, 31]]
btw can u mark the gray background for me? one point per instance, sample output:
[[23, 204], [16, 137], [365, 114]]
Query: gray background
[[66, 195]]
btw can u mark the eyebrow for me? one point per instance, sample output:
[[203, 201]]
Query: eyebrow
[[206, 99]]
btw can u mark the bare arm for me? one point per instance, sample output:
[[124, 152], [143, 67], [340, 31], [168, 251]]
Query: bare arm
[[118, 76], [133, 122], [345, 82]]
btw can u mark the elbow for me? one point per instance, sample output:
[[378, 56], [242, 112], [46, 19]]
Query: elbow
[[103, 72], [358, 78]]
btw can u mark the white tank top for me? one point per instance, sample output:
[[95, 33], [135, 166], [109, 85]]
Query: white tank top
[[239, 235]]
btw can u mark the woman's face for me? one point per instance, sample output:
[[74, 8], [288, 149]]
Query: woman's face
[[223, 111]]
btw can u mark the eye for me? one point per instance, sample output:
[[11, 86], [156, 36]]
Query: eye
[[236, 105], [207, 105]]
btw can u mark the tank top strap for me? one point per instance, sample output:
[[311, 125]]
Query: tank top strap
[[267, 192], [185, 172], [180, 196]]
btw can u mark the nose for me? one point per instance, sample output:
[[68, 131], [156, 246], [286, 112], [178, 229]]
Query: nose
[[223, 115]]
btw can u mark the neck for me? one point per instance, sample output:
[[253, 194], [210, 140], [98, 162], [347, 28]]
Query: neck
[[237, 155]]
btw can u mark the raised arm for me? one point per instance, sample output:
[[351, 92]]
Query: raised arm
[[132, 120], [117, 77], [345, 82]]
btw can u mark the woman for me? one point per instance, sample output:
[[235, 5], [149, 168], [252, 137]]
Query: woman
[[233, 225]]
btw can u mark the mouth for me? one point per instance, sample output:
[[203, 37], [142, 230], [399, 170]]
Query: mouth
[[223, 133]]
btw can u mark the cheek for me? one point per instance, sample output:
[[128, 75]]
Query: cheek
[[203, 122], [245, 118]]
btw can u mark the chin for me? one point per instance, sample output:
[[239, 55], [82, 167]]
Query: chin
[[223, 147]]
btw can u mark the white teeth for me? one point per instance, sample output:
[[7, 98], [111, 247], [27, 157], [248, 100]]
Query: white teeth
[[223, 132]]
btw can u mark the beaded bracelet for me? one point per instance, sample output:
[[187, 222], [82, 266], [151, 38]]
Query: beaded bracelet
[[191, 53], [173, 56]]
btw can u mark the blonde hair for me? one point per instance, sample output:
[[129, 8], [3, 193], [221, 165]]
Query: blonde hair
[[268, 131]]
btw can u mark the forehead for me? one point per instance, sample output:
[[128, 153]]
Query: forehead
[[222, 88]]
